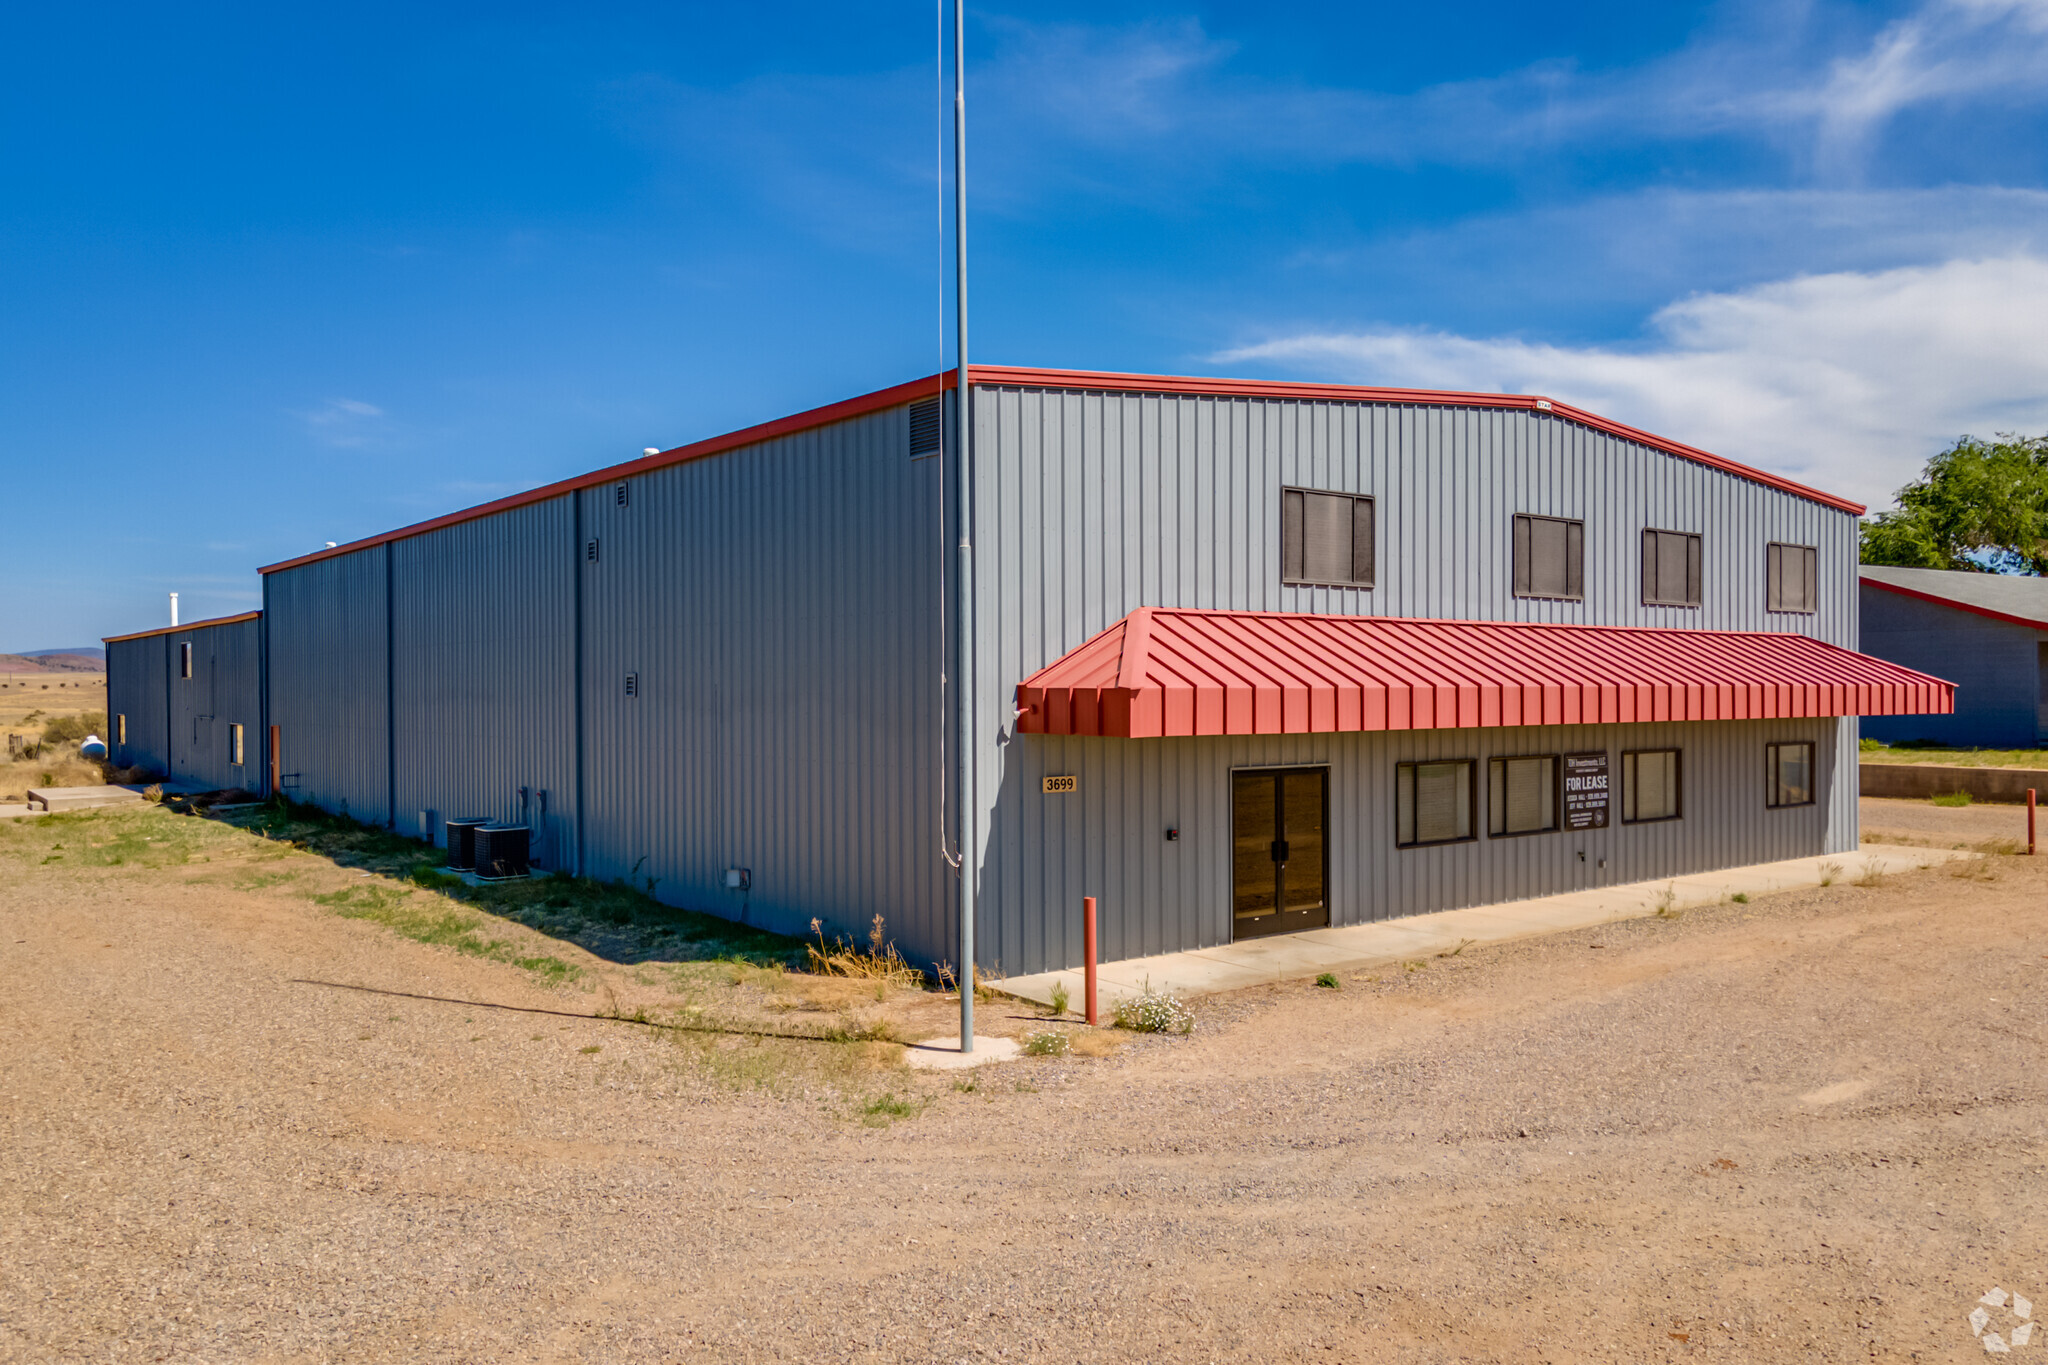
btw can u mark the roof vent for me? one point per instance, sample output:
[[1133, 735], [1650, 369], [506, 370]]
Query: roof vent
[[924, 428]]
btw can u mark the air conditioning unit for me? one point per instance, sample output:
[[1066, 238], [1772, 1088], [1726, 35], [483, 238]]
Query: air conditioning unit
[[462, 843], [501, 852]]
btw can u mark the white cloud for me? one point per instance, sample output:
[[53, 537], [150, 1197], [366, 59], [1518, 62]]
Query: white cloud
[[1788, 77], [1847, 381], [345, 422]]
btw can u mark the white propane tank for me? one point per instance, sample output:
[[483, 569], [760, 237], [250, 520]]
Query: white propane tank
[[93, 747]]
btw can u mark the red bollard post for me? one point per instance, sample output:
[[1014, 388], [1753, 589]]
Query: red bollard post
[[2030, 822], [1088, 953]]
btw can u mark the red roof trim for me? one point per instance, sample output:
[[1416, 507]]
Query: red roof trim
[[181, 629], [1106, 381], [716, 445], [1161, 672], [1941, 601]]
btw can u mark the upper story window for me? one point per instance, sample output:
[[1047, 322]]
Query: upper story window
[[1326, 538], [1550, 557], [1671, 569], [185, 659], [1792, 573]]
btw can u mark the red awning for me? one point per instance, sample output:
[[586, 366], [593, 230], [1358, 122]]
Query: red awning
[[1170, 672]]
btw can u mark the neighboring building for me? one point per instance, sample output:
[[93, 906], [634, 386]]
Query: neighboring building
[[1247, 657], [1988, 632], [187, 701]]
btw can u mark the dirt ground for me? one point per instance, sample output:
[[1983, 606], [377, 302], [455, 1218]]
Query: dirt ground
[[1984, 824], [1805, 1128]]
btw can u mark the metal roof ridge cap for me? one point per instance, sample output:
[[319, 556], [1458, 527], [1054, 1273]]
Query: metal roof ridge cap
[[1135, 649]]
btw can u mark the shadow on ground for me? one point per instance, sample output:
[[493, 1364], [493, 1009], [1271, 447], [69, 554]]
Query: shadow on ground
[[609, 921]]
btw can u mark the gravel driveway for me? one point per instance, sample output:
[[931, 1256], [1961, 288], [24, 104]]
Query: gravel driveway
[[1806, 1128]]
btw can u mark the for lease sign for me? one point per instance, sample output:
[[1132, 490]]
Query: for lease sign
[[1585, 791]]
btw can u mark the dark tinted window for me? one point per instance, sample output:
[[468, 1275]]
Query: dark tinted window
[[1671, 569], [1326, 538], [1550, 557], [1790, 572]]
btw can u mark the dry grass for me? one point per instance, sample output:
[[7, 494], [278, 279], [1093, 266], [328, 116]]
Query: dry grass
[[53, 770], [878, 962], [1093, 1042]]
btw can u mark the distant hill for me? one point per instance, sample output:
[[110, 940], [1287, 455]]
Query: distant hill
[[53, 661], [92, 652]]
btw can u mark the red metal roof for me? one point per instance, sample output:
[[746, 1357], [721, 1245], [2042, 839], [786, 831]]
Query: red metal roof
[[1171, 672], [1093, 380], [181, 628]]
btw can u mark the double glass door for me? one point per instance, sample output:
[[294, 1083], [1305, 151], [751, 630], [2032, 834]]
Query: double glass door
[[1281, 864]]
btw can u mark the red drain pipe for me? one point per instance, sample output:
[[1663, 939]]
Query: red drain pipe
[[2030, 823], [1088, 933]]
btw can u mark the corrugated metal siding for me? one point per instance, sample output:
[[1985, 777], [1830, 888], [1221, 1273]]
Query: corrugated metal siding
[[484, 675], [1995, 666], [779, 609], [137, 673], [1090, 504], [1108, 838], [328, 623], [225, 689]]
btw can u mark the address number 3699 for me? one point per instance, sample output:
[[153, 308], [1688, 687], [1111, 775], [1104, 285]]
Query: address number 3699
[[1062, 785]]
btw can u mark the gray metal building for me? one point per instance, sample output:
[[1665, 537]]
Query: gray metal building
[[1987, 632], [187, 701], [717, 672]]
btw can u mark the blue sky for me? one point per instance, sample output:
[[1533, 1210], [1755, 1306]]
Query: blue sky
[[276, 276]]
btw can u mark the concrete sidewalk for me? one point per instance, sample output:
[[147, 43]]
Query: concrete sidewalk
[[1284, 957]]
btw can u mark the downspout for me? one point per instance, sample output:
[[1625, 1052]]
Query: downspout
[[970, 845], [390, 695], [576, 587]]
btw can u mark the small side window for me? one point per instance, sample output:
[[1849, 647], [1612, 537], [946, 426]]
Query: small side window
[[120, 729], [1550, 558], [1788, 774], [1791, 572], [1671, 569], [235, 745], [185, 659], [1649, 786], [1326, 539], [1433, 803]]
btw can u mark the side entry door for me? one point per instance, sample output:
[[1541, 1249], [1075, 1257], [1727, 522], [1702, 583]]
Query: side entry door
[[1280, 852]]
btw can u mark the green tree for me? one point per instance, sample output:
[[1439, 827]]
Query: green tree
[[1980, 506]]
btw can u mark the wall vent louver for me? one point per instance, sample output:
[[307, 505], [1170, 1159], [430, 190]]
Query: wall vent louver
[[925, 426], [632, 684], [590, 552], [620, 494]]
